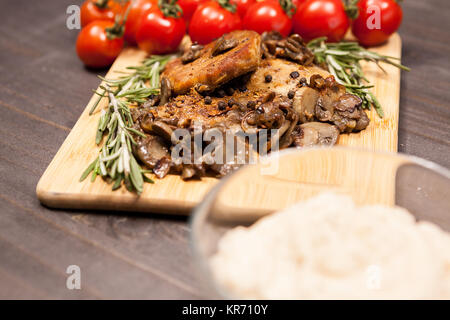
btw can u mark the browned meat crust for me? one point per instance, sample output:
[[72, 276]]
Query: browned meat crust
[[210, 71]]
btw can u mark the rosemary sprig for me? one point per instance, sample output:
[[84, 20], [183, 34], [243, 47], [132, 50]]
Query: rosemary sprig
[[343, 62], [116, 162]]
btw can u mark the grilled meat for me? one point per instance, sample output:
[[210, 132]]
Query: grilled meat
[[231, 56], [228, 86]]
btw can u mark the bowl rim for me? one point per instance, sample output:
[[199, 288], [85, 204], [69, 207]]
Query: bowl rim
[[200, 211]]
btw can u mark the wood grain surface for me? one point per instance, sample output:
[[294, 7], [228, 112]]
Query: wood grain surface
[[43, 91], [293, 176], [60, 187]]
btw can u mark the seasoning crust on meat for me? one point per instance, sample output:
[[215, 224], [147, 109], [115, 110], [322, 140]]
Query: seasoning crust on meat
[[241, 54], [248, 83]]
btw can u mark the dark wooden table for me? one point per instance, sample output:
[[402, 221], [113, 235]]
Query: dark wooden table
[[43, 90]]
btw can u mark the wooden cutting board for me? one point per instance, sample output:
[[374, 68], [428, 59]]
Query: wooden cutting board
[[59, 186]]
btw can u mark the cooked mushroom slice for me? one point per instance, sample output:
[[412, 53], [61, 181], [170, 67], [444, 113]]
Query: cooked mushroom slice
[[362, 122], [138, 114], [222, 45], [287, 139], [162, 129], [291, 48], [146, 121], [323, 112], [202, 88], [248, 122], [304, 103], [244, 154], [280, 133], [348, 102], [153, 100], [317, 81], [151, 149], [166, 91], [188, 171], [162, 167], [194, 52], [348, 115], [330, 92], [269, 116], [271, 35], [315, 133]]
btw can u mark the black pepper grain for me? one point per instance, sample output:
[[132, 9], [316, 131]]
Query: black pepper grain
[[291, 94], [303, 81], [208, 100], [221, 105], [268, 78], [294, 74], [242, 88]]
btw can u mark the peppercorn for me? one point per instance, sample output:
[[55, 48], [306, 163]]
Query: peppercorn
[[208, 100], [294, 74], [291, 94], [303, 81], [222, 105], [268, 78], [243, 89]]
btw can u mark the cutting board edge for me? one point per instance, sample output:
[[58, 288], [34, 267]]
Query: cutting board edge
[[61, 200]]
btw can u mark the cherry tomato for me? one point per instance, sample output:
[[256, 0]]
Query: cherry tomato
[[137, 9], [92, 10], [365, 27], [267, 15], [242, 6], [94, 47], [210, 21], [158, 34], [321, 18], [189, 7], [297, 3]]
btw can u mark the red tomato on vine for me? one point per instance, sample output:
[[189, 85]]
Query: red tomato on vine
[[213, 19], [268, 15], [137, 8], [242, 6], [189, 7], [161, 29], [321, 18], [99, 43], [92, 10], [377, 20]]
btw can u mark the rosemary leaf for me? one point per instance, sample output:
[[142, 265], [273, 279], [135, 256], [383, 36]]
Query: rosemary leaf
[[116, 160], [88, 170], [343, 62]]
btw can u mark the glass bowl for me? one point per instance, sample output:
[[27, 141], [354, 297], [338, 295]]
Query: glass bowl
[[292, 175]]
